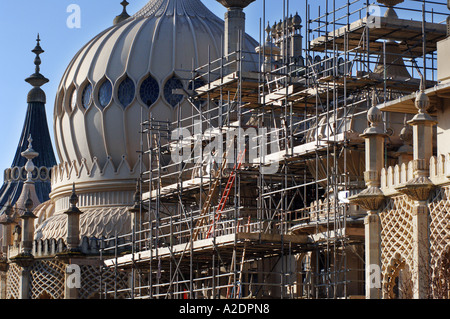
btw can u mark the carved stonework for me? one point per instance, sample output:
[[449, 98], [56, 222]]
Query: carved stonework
[[370, 198], [418, 188]]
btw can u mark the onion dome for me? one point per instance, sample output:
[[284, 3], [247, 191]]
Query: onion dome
[[120, 77], [297, 21]]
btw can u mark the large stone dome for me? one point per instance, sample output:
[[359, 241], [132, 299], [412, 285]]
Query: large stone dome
[[117, 79]]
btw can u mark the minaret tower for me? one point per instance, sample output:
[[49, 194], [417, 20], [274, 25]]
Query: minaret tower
[[35, 125]]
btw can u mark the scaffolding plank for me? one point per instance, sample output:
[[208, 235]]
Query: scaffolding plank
[[407, 32], [208, 245]]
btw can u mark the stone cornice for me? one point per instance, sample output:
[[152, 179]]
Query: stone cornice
[[94, 178]]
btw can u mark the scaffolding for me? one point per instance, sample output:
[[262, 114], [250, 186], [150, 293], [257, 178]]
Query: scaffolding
[[246, 197]]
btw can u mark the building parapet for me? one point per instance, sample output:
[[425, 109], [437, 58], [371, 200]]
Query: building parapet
[[393, 177]]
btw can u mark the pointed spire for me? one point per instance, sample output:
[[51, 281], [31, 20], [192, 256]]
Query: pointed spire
[[37, 79], [124, 15]]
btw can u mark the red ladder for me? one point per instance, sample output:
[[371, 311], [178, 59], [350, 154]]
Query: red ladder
[[226, 192]]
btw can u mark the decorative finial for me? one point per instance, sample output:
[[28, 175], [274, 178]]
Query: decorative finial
[[73, 197], [124, 15], [37, 79], [406, 133], [73, 200], [422, 101], [137, 199], [29, 202], [29, 154], [268, 30], [374, 115], [6, 217]]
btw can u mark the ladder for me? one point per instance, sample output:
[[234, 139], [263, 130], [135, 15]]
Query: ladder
[[226, 192]]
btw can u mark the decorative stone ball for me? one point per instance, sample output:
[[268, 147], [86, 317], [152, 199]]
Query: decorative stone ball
[[374, 116], [422, 102]]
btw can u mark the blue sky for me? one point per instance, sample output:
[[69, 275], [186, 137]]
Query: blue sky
[[20, 21]]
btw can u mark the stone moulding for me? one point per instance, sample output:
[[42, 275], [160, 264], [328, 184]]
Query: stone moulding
[[417, 189], [370, 198], [84, 175], [71, 171]]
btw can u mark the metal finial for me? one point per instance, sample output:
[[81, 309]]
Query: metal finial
[[38, 51], [30, 140], [124, 3], [37, 79], [124, 15]]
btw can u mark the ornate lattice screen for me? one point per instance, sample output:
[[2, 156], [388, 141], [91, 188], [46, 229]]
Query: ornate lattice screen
[[396, 240], [440, 243], [47, 280], [13, 282]]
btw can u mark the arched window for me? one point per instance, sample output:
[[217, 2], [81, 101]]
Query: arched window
[[173, 84], [105, 93], [73, 99], [149, 91], [126, 92], [86, 96]]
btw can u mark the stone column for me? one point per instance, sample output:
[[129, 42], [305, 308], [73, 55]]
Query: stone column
[[2, 284], [234, 27], [296, 37], [73, 255], [418, 189], [73, 223], [371, 199], [25, 281], [7, 221], [28, 228]]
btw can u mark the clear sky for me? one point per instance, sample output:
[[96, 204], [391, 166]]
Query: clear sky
[[20, 21]]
